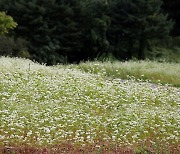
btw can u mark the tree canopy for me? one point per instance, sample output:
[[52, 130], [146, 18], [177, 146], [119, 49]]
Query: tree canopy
[[172, 8], [6, 23], [75, 30]]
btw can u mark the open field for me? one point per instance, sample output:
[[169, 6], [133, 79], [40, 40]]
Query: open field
[[156, 72], [49, 107]]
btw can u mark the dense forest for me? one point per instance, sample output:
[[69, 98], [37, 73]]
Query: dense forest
[[60, 31]]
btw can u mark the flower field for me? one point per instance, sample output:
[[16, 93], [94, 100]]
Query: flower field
[[46, 107]]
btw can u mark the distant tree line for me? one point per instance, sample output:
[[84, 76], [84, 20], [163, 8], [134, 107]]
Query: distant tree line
[[55, 31]]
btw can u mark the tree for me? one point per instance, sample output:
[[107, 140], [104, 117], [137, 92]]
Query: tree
[[53, 28], [172, 8], [138, 21], [75, 29], [97, 24], [6, 23], [35, 27], [68, 19]]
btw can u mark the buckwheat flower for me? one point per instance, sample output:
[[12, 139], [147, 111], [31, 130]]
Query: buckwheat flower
[[29, 133]]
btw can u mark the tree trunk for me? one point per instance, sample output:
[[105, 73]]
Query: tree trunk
[[129, 54], [142, 46]]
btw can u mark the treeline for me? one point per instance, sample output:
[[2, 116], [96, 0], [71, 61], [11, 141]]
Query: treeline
[[55, 31]]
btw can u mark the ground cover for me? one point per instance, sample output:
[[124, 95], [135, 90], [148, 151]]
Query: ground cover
[[45, 107], [156, 72]]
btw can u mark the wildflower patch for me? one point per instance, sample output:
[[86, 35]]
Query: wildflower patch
[[47, 106]]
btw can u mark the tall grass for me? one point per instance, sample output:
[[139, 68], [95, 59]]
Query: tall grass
[[165, 54], [156, 72]]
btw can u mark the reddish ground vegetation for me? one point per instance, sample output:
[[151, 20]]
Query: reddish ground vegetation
[[68, 148]]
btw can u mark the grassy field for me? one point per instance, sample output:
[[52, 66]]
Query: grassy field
[[164, 73], [62, 109]]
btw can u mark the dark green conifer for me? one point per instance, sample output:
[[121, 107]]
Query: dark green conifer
[[137, 21]]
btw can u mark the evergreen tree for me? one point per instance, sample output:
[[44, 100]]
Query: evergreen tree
[[53, 28], [172, 7], [138, 21], [95, 25], [68, 20], [85, 29], [34, 26]]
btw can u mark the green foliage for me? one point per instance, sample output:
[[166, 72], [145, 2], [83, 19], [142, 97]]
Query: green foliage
[[6, 23], [98, 24], [172, 8], [74, 30], [167, 49], [136, 22], [35, 27], [13, 47], [159, 53]]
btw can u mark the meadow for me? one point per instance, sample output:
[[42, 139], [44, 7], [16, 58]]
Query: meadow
[[89, 108], [151, 71]]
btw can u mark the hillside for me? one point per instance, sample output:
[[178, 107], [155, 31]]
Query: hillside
[[46, 107]]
